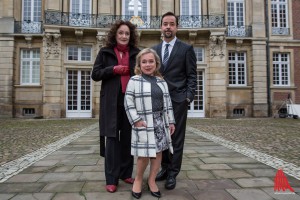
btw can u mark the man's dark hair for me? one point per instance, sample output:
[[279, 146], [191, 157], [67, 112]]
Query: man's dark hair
[[111, 36], [169, 14]]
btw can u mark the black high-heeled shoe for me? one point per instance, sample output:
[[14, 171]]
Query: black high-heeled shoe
[[155, 194], [136, 195]]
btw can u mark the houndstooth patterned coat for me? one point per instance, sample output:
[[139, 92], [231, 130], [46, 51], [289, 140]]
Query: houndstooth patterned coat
[[138, 106]]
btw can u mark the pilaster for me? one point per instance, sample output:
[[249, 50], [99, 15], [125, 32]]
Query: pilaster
[[6, 76], [260, 102], [52, 100], [217, 73]]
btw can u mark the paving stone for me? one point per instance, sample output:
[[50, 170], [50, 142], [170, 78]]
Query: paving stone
[[197, 155], [227, 160], [92, 176], [262, 172], [63, 169], [35, 196], [213, 166], [250, 166], [176, 194], [211, 195], [63, 187], [249, 194], [45, 163], [21, 187], [81, 161], [281, 196], [230, 173], [254, 182], [92, 168], [25, 178], [194, 175], [94, 186], [54, 177], [73, 196], [216, 184], [6, 196]]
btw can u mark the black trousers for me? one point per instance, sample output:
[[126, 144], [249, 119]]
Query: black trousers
[[118, 159], [169, 161]]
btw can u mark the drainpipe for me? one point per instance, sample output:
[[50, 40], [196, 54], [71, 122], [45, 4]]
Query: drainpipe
[[268, 58]]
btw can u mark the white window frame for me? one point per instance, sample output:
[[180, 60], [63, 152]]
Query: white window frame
[[277, 4], [79, 53], [200, 54], [35, 16], [81, 3], [191, 6], [136, 12], [235, 13], [31, 66], [283, 69], [237, 64]]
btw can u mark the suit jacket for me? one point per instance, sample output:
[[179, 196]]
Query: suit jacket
[[138, 106], [180, 72]]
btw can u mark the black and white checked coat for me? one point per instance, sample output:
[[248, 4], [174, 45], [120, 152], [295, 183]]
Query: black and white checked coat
[[138, 106]]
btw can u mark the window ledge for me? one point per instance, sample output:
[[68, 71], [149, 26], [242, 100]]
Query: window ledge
[[28, 86], [284, 87], [239, 87]]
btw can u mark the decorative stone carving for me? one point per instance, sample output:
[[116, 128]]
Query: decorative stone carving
[[101, 35], [216, 45], [79, 35], [192, 36], [52, 44], [212, 45], [28, 39], [221, 41], [239, 44]]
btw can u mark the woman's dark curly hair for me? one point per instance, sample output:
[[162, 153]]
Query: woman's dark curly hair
[[111, 36]]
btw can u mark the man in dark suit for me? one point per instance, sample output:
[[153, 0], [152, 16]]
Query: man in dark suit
[[178, 68]]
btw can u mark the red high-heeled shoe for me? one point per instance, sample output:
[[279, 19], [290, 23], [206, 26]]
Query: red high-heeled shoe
[[111, 188]]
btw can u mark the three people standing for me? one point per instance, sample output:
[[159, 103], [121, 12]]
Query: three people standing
[[151, 113]]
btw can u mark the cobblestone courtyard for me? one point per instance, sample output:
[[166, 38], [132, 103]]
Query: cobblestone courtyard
[[274, 136]]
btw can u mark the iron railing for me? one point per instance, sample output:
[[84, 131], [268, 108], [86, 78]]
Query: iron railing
[[239, 31], [142, 22], [280, 31], [28, 27]]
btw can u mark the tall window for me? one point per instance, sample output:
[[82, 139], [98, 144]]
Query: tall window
[[136, 7], [235, 13], [237, 68], [79, 53], [81, 6], [30, 67], [279, 13], [190, 14], [190, 7], [281, 69], [31, 16], [32, 10]]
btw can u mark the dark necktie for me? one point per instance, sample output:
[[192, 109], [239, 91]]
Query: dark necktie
[[166, 55]]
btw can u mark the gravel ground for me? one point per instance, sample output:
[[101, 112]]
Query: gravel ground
[[274, 136], [279, 137], [19, 137]]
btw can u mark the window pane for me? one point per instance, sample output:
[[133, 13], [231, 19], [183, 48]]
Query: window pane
[[237, 68], [281, 67], [30, 66]]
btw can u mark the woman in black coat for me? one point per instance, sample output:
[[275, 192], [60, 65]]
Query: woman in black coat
[[113, 66]]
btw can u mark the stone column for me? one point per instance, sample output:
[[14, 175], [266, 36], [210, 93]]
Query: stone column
[[6, 76], [217, 76], [52, 83], [260, 102]]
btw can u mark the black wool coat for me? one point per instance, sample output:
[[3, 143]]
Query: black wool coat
[[110, 86]]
